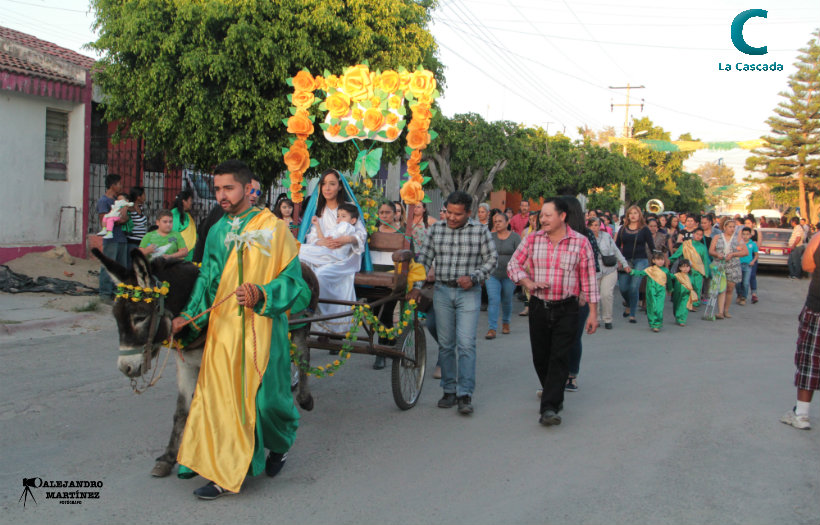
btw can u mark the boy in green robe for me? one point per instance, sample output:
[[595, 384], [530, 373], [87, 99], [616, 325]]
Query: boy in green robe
[[658, 277], [698, 255], [683, 292]]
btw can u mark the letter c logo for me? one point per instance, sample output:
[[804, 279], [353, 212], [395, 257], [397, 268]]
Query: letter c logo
[[737, 32]]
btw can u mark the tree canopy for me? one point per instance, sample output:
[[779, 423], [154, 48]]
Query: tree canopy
[[205, 80], [792, 150]]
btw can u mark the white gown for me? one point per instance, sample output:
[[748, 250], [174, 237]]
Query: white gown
[[336, 278]]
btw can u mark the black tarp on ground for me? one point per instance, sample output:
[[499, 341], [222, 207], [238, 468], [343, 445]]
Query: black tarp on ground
[[13, 282]]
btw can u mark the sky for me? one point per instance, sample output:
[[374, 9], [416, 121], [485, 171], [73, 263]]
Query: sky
[[551, 63]]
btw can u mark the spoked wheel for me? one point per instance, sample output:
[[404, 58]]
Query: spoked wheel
[[408, 376]]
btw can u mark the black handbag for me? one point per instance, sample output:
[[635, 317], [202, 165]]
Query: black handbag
[[609, 260]]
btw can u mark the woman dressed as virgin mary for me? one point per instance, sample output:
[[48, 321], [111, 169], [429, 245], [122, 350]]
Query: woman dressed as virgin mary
[[335, 280]]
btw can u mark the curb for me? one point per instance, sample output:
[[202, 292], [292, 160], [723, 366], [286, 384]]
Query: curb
[[9, 329]]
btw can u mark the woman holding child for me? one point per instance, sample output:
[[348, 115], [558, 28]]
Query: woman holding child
[[336, 279]]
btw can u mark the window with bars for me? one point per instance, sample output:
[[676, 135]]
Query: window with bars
[[56, 165]]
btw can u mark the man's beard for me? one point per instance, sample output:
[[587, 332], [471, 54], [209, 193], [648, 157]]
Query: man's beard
[[232, 207]]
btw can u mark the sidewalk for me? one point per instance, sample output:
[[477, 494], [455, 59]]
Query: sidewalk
[[32, 312]]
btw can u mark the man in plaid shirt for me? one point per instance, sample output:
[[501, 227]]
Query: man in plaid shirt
[[464, 255], [555, 264]]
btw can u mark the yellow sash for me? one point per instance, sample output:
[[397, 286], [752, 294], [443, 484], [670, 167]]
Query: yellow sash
[[683, 279], [215, 444], [657, 275], [692, 254]]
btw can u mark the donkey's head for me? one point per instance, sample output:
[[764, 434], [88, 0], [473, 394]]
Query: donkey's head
[[137, 319]]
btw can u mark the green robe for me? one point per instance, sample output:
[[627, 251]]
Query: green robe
[[680, 297], [276, 416], [655, 297], [695, 276]]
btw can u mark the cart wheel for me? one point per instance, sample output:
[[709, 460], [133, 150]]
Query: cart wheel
[[408, 377]]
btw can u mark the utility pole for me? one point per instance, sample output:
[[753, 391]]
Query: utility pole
[[627, 132]]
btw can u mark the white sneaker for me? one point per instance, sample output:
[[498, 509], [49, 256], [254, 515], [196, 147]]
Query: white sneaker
[[791, 418]]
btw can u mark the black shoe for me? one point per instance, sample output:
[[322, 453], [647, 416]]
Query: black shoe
[[448, 400], [211, 491], [549, 418], [608, 326], [378, 364], [626, 314], [275, 463], [633, 320], [465, 405], [483, 307]]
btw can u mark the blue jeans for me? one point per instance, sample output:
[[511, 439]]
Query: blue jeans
[[117, 251], [629, 285], [743, 286], [575, 349], [795, 264], [499, 293], [753, 278], [456, 325]]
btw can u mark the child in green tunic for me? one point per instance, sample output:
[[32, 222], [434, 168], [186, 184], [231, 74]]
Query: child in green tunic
[[684, 294], [162, 242], [658, 276]]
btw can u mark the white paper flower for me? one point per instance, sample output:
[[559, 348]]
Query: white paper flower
[[259, 238]]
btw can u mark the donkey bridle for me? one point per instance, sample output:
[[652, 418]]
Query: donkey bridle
[[157, 313]]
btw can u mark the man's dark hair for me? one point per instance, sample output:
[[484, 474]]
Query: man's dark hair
[[710, 217], [695, 216], [240, 171], [560, 204], [460, 197], [111, 179], [351, 209], [256, 178], [699, 229], [746, 229], [794, 221]]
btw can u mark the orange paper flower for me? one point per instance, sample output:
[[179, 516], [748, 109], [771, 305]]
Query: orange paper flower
[[320, 83], [332, 81], [404, 81], [411, 192], [334, 129], [357, 114], [357, 84], [418, 139], [419, 124], [391, 119], [294, 188], [351, 130], [297, 177], [373, 119], [392, 132], [303, 99], [297, 159], [390, 81], [415, 157], [422, 83], [394, 102], [338, 104], [300, 124], [303, 81]]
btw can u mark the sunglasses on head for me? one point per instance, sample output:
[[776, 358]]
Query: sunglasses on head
[[256, 192]]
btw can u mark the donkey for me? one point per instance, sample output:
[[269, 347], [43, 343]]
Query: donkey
[[136, 320]]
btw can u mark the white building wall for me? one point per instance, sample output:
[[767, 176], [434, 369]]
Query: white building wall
[[29, 204]]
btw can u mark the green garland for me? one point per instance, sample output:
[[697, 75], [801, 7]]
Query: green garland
[[361, 314], [138, 294]]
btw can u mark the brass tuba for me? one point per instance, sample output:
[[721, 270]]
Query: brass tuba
[[654, 206]]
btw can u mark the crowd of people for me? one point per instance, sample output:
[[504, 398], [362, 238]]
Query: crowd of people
[[565, 263]]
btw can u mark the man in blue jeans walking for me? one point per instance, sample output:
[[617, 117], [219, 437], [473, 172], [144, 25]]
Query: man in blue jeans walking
[[464, 255], [115, 248]]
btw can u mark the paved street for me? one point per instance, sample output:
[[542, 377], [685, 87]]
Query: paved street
[[677, 427]]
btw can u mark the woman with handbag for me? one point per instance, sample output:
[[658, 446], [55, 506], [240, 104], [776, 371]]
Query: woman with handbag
[[634, 240], [610, 257]]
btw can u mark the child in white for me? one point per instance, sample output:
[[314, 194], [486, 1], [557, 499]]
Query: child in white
[[315, 255]]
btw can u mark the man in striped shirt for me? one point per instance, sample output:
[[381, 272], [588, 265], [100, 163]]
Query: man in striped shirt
[[464, 255], [555, 264]]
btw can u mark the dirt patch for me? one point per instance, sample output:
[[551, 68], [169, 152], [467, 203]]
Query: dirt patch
[[59, 265]]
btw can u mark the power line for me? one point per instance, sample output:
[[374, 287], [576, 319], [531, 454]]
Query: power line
[[596, 41], [47, 7]]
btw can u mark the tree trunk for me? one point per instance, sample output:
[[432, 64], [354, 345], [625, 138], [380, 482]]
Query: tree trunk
[[440, 170], [802, 194]]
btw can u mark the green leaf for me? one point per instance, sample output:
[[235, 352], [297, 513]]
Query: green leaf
[[433, 112], [436, 94], [426, 198], [402, 111], [433, 134], [285, 151], [322, 106], [325, 73], [402, 69], [373, 161], [290, 81], [285, 121], [324, 126], [312, 118], [401, 125], [343, 133], [360, 158], [409, 150], [292, 110], [317, 100], [314, 163], [309, 143], [382, 134], [423, 165], [366, 104], [335, 120], [365, 62], [425, 180], [290, 98]]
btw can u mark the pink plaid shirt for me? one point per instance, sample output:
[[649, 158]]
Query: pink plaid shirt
[[568, 267]]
